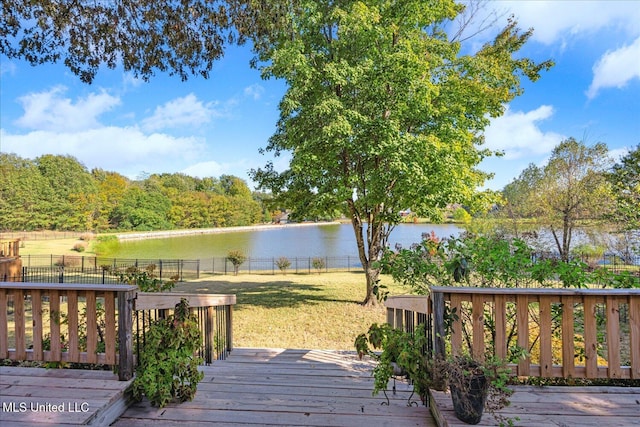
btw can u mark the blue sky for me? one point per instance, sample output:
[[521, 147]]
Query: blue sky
[[216, 126]]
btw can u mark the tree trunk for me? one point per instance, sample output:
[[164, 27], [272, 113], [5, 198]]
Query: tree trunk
[[367, 251]]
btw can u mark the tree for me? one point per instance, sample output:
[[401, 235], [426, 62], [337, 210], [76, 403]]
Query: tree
[[25, 195], [568, 191], [383, 112], [625, 179], [75, 194], [144, 36]]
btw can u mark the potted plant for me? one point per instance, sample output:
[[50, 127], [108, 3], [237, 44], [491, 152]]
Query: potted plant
[[399, 354], [478, 385]]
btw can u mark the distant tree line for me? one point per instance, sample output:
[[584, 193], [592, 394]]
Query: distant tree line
[[54, 192]]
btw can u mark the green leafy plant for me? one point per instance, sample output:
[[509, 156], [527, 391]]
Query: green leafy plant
[[236, 258], [318, 264], [145, 279], [168, 366], [399, 353], [283, 264]]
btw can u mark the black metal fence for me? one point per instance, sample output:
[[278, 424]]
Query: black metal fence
[[100, 270], [213, 323]]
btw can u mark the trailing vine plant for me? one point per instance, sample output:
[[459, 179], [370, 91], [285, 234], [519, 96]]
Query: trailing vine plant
[[168, 363]]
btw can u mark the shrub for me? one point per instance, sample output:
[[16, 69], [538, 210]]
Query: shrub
[[146, 280], [86, 237], [283, 264], [237, 258], [79, 247], [461, 215], [168, 367], [318, 264]]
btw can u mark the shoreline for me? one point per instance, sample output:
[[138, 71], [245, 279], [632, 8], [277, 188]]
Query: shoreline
[[219, 230]]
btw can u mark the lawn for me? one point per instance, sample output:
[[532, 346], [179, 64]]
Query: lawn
[[319, 311]]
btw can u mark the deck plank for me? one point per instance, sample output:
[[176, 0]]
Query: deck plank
[[286, 388], [281, 387], [38, 396], [558, 406]]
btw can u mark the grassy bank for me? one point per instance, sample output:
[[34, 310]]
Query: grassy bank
[[296, 311], [53, 247]]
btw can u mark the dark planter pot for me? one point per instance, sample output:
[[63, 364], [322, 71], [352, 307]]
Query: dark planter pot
[[468, 404]]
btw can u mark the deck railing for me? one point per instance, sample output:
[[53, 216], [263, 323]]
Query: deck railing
[[67, 323], [586, 333], [214, 313], [9, 248], [94, 324]]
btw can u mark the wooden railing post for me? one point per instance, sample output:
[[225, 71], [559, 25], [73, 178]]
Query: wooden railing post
[[229, 325], [126, 301], [437, 299]]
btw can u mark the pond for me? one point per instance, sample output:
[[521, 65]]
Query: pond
[[289, 241]]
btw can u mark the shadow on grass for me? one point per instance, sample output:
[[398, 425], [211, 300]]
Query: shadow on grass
[[276, 294]]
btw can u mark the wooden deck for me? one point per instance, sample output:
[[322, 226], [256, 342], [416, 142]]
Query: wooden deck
[[38, 396], [557, 406], [287, 388]]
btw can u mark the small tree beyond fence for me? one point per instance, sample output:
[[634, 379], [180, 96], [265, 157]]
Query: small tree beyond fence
[[98, 270]]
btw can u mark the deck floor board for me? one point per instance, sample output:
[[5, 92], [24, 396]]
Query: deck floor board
[[290, 387], [282, 387]]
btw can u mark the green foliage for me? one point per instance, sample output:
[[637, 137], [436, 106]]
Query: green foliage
[[491, 262], [236, 258], [318, 264], [57, 192], [283, 264], [402, 354], [373, 124], [461, 215], [625, 179], [571, 188], [168, 365], [178, 38], [145, 279]]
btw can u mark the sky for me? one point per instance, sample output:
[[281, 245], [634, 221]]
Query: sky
[[207, 128]]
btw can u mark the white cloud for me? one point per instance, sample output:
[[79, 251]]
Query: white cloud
[[616, 68], [124, 149], [554, 20], [518, 135], [254, 91], [8, 67], [186, 111], [51, 111]]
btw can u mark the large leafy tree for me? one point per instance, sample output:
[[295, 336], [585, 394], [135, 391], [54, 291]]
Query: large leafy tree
[[26, 197], [383, 112], [566, 193], [75, 201]]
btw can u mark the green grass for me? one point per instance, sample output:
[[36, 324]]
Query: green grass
[[320, 311]]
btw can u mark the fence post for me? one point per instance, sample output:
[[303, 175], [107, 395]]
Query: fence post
[[125, 334], [229, 326], [437, 299]]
